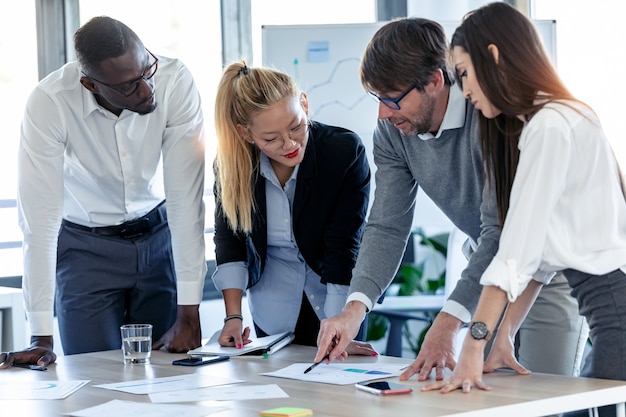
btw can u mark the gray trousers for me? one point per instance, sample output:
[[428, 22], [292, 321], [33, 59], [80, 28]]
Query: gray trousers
[[105, 281], [602, 302], [552, 339]]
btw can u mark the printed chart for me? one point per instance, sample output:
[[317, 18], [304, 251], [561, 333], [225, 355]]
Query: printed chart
[[340, 373]]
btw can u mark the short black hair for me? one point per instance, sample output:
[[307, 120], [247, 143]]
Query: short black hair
[[102, 37]]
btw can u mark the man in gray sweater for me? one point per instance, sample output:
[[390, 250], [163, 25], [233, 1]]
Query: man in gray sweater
[[427, 136]]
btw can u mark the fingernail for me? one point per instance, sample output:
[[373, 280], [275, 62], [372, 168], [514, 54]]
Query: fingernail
[[374, 353], [239, 345]]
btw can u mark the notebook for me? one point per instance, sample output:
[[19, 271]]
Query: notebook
[[258, 346]]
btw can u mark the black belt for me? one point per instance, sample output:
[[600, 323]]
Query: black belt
[[130, 229]]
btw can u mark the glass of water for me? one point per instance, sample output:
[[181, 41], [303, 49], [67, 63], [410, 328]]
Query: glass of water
[[136, 343]]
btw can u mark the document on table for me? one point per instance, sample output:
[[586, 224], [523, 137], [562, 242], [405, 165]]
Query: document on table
[[232, 393], [38, 390], [170, 383], [120, 408], [339, 373]]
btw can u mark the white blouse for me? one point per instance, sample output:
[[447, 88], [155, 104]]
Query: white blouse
[[567, 209]]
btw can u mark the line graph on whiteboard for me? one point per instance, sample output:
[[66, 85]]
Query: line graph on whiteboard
[[343, 71], [324, 60], [336, 96]]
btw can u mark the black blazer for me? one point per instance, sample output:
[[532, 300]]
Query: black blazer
[[329, 208]]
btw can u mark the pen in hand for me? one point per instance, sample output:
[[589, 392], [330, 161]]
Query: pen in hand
[[310, 368]]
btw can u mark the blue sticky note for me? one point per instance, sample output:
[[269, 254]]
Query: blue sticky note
[[318, 51]]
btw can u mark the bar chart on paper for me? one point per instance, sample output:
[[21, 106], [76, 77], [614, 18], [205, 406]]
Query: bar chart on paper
[[339, 373]]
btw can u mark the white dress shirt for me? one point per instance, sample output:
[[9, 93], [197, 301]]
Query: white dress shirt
[[80, 162], [567, 208]]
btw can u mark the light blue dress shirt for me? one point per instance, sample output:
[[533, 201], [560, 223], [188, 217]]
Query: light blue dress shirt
[[275, 300]]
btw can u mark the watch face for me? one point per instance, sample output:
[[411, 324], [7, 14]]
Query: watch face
[[479, 330]]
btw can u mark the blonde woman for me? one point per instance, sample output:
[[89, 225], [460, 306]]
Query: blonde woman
[[291, 199]]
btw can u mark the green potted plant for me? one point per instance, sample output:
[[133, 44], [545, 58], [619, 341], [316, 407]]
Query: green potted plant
[[424, 276]]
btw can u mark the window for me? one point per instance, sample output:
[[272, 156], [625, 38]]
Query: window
[[18, 76], [589, 59]]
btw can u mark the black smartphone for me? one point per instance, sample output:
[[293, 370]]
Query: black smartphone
[[200, 360], [384, 388]]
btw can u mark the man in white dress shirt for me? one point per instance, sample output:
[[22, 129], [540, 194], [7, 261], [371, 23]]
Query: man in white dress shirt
[[105, 141]]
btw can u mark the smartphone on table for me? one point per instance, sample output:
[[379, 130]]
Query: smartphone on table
[[383, 388], [200, 360]]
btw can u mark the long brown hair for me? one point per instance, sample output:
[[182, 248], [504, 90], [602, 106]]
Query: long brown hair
[[242, 92], [520, 83]]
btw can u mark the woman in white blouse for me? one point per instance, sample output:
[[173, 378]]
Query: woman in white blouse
[[558, 193]]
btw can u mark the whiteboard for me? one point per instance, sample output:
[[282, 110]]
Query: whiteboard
[[324, 60]]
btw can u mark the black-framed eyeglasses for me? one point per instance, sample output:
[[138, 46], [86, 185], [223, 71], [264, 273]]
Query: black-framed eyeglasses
[[132, 86], [392, 103], [297, 134]]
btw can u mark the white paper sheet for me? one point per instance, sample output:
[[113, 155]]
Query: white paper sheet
[[38, 390], [338, 373], [232, 393], [119, 408], [171, 383]]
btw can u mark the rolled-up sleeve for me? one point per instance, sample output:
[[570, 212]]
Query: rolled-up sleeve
[[231, 275], [539, 181]]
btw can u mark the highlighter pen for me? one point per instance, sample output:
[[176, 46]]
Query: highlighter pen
[[310, 368]]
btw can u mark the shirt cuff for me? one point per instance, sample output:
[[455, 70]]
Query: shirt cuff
[[189, 292], [457, 310], [40, 323], [544, 277], [189, 286], [359, 296], [506, 276], [335, 299], [231, 275]]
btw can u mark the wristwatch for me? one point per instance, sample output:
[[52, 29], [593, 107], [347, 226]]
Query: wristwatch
[[479, 331]]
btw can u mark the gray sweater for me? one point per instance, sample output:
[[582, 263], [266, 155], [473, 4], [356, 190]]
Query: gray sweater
[[449, 169]]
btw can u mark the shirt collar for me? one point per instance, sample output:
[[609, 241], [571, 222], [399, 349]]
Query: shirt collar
[[90, 104], [454, 117], [89, 99], [268, 172]]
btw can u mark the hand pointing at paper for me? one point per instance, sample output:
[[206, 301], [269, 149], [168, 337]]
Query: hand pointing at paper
[[336, 334]]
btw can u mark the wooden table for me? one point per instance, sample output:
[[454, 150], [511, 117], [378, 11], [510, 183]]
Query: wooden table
[[532, 395]]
